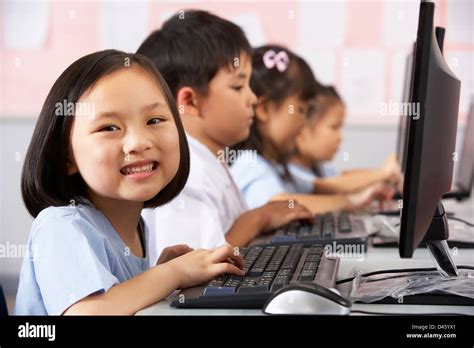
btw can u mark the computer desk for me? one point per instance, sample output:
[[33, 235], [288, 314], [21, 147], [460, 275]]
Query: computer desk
[[374, 259]]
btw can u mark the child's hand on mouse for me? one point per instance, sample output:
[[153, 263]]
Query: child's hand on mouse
[[173, 252], [201, 265], [280, 213], [377, 192]]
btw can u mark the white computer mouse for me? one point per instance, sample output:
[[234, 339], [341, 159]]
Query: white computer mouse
[[310, 298]]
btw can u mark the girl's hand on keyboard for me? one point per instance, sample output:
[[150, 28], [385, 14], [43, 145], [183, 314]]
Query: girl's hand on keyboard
[[279, 213], [377, 192], [173, 252], [201, 265]]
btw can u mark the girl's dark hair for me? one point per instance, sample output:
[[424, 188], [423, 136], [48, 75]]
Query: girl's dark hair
[[45, 181], [327, 97], [274, 85], [192, 46]]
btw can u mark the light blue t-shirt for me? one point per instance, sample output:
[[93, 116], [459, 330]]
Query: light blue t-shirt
[[259, 180], [328, 171], [305, 174], [73, 252]]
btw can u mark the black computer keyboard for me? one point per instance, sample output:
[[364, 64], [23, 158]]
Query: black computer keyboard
[[267, 269], [328, 228]]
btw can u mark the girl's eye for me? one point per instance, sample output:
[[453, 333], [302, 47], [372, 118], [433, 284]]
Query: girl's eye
[[155, 120], [237, 88], [108, 128]]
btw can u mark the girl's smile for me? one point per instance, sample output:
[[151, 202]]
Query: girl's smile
[[129, 150], [139, 170]]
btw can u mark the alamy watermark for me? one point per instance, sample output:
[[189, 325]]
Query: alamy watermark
[[28, 330], [229, 156], [12, 250], [67, 108], [392, 108], [355, 251]]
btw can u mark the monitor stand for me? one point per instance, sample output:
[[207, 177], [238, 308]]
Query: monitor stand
[[436, 242]]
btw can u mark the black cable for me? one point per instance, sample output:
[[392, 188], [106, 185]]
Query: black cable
[[461, 220], [399, 270], [450, 217]]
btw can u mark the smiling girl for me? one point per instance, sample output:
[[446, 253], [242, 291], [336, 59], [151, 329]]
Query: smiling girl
[[86, 179]]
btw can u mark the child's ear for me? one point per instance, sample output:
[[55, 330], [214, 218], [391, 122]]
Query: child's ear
[[187, 100], [303, 135], [261, 110], [71, 165]]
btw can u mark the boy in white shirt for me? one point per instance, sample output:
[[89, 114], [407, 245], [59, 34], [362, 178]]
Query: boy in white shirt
[[206, 61]]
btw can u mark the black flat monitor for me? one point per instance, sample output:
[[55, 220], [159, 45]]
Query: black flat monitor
[[430, 147], [402, 138], [403, 119]]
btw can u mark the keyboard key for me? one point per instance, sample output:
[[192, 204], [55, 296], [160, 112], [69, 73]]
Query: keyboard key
[[293, 228], [249, 282], [304, 231], [276, 286], [233, 281], [328, 226], [219, 280], [253, 289], [328, 234], [279, 282], [307, 275], [344, 223], [264, 257], [345, 228], [313, 258], [280, 231], [328, 218], [316, 250], [283, 239], [216, 283], [218, 291], [293, 256], [316, 227], [306, 278], [277, 259], [310, 265], [268, 275], [256, 271], [284, 273]]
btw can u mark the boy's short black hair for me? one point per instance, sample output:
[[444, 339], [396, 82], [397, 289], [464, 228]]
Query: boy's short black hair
[[192, 46], [45, 181]]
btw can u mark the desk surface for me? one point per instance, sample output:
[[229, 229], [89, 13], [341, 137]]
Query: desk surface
[[374, 259]]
